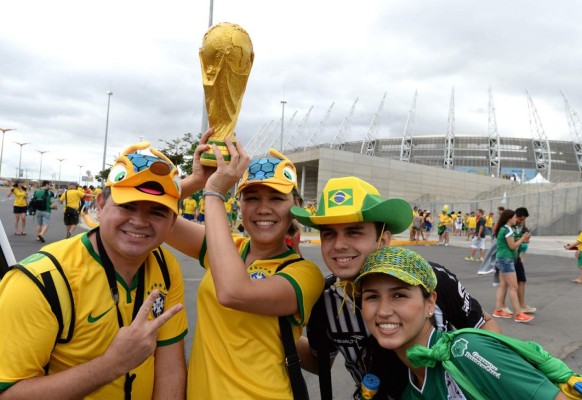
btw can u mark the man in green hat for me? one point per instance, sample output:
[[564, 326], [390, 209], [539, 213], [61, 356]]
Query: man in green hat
[[354, 221]]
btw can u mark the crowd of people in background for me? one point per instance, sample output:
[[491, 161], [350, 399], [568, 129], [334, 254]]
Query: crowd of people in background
[[40, 201]]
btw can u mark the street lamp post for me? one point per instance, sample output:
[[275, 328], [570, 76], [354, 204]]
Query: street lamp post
[[80, 182], [3, 130], [40, 170], [109, 93], [283, 102], [20, 159], [60, 160]]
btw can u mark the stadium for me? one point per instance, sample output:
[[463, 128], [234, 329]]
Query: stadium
[[464, 172]]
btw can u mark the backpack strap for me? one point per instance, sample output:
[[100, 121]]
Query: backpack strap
[[159, 254], [50, 292], [292, 360]]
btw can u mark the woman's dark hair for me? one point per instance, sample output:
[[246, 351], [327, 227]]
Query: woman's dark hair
[[295, 226], [506, 215]]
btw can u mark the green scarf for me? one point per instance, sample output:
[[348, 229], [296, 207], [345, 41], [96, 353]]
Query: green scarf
[[554, 369]]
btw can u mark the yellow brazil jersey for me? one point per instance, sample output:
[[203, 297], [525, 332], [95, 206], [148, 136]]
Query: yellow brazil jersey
[[31, 342], [228, 205], [72, 198], [579, 240], [445, 220], [239, 355], [19, 197], [472, 222], [190, 205], [201, 205], [489, 221]]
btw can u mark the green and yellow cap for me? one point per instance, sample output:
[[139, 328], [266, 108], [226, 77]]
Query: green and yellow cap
[[350, 199], [403, 264]]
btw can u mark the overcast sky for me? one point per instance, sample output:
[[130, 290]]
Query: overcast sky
[[59, 58]]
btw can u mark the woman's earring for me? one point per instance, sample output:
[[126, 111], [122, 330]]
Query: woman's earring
[[430, 314]]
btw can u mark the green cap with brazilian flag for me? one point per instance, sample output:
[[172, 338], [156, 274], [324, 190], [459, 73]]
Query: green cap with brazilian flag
[[350, 199]]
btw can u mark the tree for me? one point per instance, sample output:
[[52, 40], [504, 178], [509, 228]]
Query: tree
[[101, 177], [181, 150]]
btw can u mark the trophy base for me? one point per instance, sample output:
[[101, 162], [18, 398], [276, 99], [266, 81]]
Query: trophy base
[[208, 159]]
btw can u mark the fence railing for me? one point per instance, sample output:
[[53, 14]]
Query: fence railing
[[554, 212]]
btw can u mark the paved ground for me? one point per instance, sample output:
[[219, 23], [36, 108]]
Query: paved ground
[[549, 269]]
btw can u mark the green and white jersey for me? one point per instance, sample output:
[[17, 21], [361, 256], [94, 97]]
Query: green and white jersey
[[503, 250], [495, 370]]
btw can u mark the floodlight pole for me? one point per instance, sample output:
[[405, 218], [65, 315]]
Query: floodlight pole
[[109, 93], [60, 160], [40, 170], [20, 159], [283, 102], [3, 130]]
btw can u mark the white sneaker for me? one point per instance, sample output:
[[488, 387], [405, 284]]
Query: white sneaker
[[507, 310]]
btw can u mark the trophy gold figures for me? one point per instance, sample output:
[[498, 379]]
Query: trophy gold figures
[[226, 58]]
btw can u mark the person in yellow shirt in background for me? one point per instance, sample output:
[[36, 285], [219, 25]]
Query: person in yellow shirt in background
[[232, 206], [189, 206], [310, 208], [19, 192], [471, 225], [489, 224], [228, 207], [578, 247], [411, 230], [453, 226], [200, 217], [71, 198], [444, 227]]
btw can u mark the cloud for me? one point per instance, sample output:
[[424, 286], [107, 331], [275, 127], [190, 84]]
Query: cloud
[[58, 60]]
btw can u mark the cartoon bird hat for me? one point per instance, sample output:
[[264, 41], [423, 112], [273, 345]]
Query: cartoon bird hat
[[143, 177]]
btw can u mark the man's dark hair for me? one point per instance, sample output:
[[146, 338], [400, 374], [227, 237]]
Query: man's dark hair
[[106, 192], [44, 183], [379, 229], [521, 212]]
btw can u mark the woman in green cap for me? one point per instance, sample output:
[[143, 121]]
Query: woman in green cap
[[398, 303]]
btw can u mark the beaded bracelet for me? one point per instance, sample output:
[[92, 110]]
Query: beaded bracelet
[[215, 194]]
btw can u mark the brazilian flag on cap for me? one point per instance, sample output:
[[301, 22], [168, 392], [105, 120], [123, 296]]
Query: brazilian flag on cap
[[350, 199]]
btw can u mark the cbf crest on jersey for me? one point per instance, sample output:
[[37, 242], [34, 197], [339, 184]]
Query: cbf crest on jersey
[[158, 306]]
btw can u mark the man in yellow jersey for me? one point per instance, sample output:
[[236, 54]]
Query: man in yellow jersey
[[72, 198], [189, 205], [119, 293]]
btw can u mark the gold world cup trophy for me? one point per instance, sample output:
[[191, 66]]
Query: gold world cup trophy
[[226, 57]]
